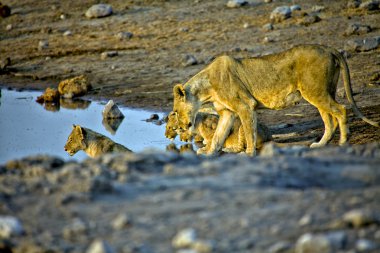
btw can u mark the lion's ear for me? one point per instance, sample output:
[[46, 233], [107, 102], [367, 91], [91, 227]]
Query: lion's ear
[[81, 131], [179, 92]]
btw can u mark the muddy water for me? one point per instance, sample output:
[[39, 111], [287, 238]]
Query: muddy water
[[29, 128]]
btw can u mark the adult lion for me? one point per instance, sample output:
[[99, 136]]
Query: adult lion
[[238, 87]]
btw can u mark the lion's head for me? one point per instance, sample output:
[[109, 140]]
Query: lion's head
[[183, 108], [76, 140]]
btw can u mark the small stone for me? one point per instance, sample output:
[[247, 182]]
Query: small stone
[[370, 5], [280, 13], [124, 35], [362, 45], [359, 218], [100, 246], [99, 11], [43, 44], [236, 3], [295, 7], [305, 220], [309, 19], [121, 221], [184, 238], [267, 1], [318, 8], [108, 54], [67, 33], [357, 29], [62, 16], [280, 247], [77, 227], [10, 226], [364, 245], [203, 246], [353, 4], [9, 27], [189, 60], [112, 111], [267, 27], [321, 243], [246, 25], [267, 40]]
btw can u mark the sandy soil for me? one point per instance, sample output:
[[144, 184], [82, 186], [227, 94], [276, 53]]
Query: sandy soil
[[164, 32]]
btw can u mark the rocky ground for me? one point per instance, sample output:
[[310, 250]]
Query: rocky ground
[[286, 200]]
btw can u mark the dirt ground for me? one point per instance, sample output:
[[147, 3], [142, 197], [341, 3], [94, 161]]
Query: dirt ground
[[147, 65]]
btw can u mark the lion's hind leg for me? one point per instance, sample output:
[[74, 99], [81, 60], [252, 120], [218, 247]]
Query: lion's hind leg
[[333, 114]]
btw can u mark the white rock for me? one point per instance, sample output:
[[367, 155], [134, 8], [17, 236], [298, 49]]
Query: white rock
[[280, 13], [364, 245], [10, 226], [121, 221], [203, 246], [99, 11], [99, 246], [236, 3], [321, 243], [185, 238], [359, 218], [111, 111], [43, 44], [9, 27], [295, 7], [67, 33]]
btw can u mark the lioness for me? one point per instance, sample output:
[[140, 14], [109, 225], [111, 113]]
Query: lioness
[[93, 143], [238, 87], [204, 129]]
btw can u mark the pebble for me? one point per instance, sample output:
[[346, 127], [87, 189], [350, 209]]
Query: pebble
[[279, 247], [280, 13], [236, 3], [203, 246], [268, 40], [62, 17], [295, 7], [10, 226], [184, 238], [370, 5], [108, 54], [357, 29], [321, 243], [364, 245], [268, 27], [112, 111], [43, 44], [99, 11], [100, 246], [309, 19], [124, 35], [67, 33], [305, 220], [353, 4], [360, 45], [359, 218], [77, 227], [9, 27], [189, 60], [318, 8], [121, 221]]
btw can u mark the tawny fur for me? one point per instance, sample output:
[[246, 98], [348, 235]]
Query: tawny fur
[[93, 143], [238, 87], [204, 129]]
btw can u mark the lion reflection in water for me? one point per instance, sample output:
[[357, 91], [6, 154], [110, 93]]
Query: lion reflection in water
[[91, 142]]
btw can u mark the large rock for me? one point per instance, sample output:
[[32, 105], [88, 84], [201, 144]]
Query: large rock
[[280, 13], [370, 5], [360, 45], [357, 29], [360, 218], [111, 111], [99, 11], [74, 87], [10, 226]]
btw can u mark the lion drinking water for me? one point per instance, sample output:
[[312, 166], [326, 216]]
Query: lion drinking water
[[204, 129], [93, 143], [238, 87]]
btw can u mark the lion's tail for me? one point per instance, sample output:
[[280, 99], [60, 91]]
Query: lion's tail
[[348, 89]]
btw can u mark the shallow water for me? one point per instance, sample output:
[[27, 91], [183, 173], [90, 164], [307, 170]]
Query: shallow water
[[27, 128]]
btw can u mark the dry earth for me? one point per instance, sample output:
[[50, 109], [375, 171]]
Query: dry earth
[[263, 203]]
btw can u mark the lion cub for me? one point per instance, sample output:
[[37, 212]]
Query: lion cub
[[93, 143], [204, 129]]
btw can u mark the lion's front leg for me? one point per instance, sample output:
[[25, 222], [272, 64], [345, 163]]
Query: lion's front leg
[[249, 123], [223, 128]]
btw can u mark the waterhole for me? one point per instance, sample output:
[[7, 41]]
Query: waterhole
[[29, 128]]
